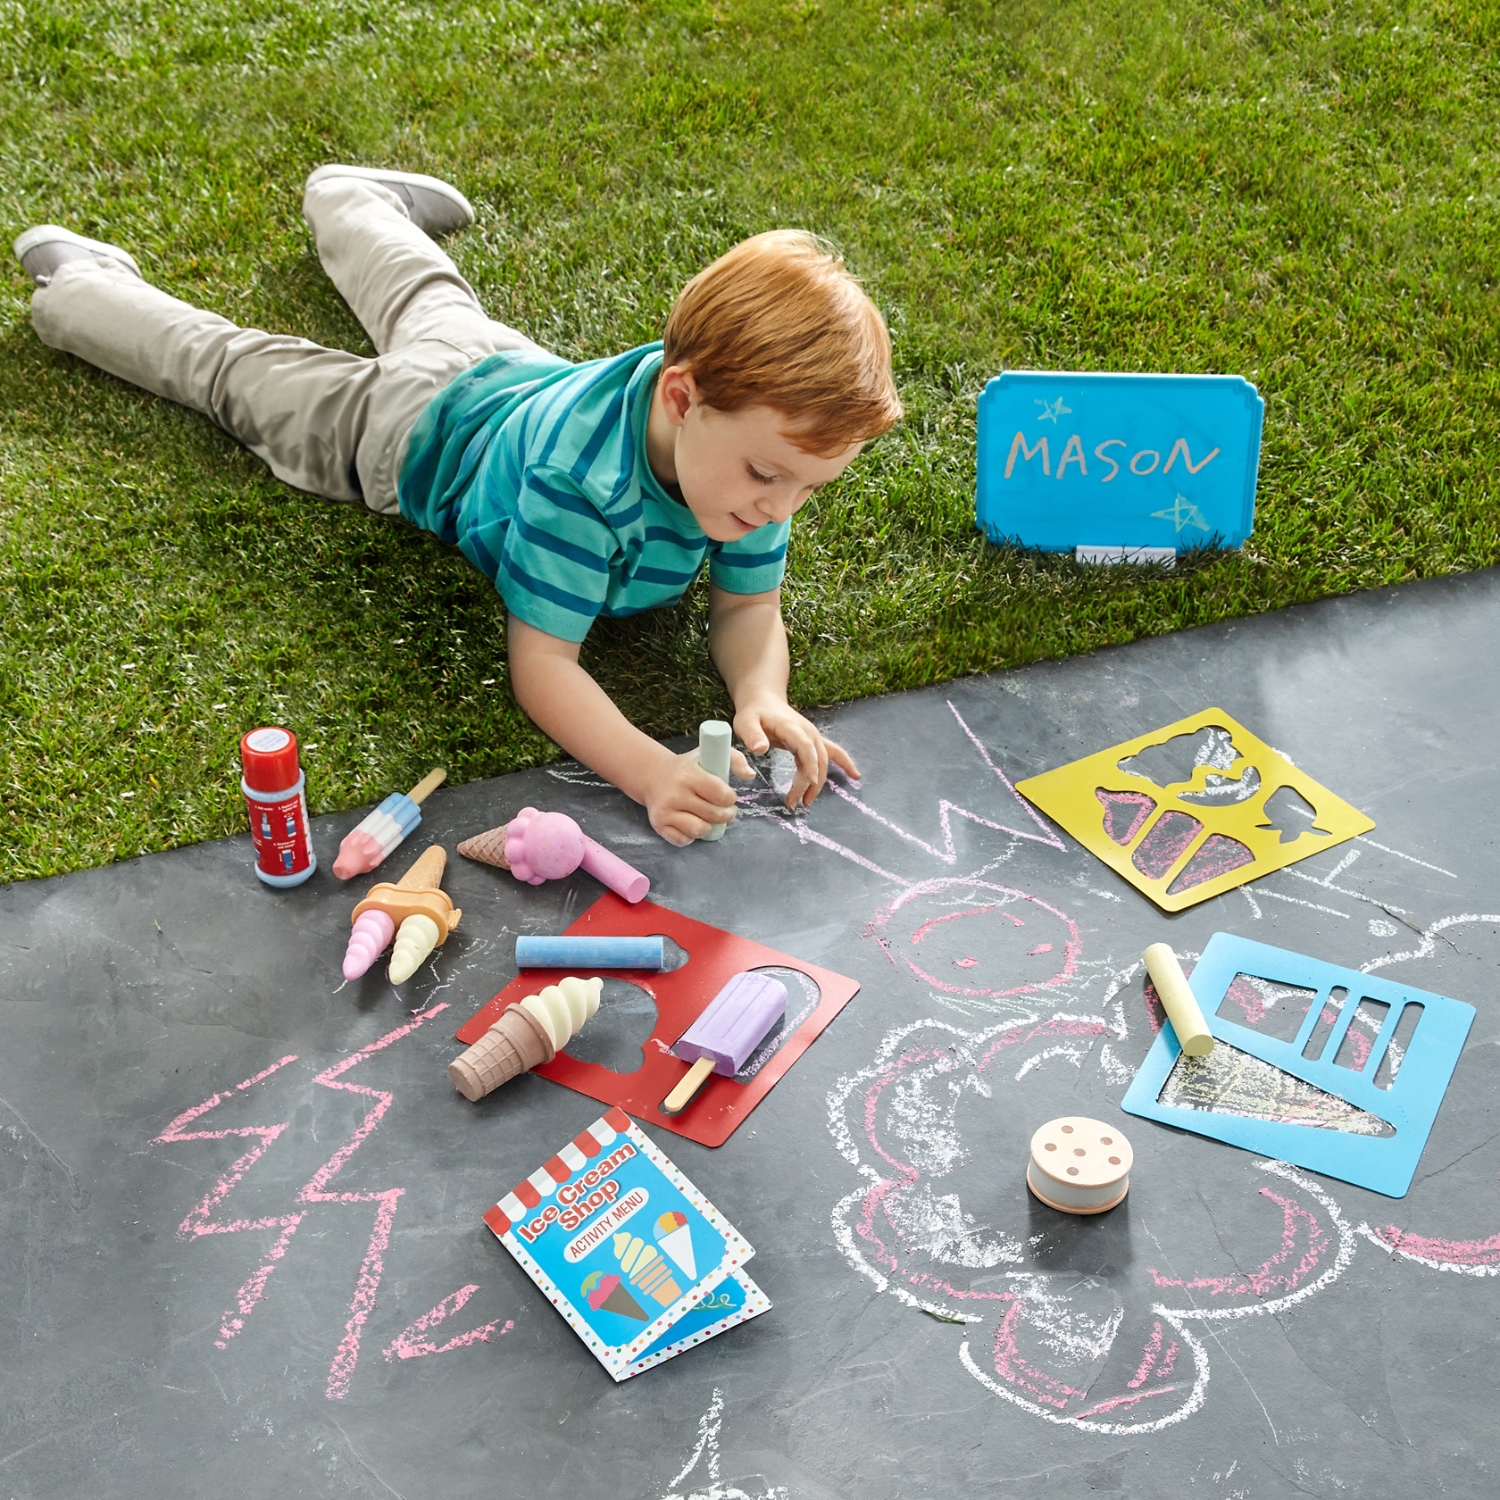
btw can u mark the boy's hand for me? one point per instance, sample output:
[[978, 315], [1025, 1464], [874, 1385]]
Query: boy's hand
[[769, 721], [684, 801]]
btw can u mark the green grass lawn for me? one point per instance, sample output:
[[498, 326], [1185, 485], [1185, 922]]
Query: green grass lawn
[[1302, 193]]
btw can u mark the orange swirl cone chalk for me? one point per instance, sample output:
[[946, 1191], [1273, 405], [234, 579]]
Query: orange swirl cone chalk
[[415, 911]]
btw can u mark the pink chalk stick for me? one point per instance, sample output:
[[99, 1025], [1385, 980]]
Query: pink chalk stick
[[609, 869], [373, 931]]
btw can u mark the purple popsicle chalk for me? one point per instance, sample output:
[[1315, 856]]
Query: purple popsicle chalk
[[723, 1037]]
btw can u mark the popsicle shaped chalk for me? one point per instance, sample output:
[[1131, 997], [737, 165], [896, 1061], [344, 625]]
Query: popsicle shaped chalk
[[723, 1037], [365, 846], [536, 846], [415, 911]]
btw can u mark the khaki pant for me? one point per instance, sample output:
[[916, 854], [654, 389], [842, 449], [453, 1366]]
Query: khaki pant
[[325, 421]]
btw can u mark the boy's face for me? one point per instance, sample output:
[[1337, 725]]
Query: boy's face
[[738, 471]]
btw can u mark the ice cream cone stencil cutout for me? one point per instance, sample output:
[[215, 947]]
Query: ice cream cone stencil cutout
[[1193, 809], [416, 912]]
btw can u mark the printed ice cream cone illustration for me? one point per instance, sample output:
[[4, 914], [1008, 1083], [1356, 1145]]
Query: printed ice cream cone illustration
[[675, 1240], [604, 1291], [646, 1269]]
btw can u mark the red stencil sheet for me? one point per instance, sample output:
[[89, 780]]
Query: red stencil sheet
[[681, 997]]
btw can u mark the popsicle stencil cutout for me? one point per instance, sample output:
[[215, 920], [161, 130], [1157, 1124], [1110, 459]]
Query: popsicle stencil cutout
[[1193, 809]]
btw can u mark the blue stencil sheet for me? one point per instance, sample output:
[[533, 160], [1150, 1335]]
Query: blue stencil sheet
[[1384, 1163]]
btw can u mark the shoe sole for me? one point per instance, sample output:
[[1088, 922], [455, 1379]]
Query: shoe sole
[[411, 179], [50, 234]]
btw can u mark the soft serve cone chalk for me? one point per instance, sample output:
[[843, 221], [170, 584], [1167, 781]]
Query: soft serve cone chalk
[[526, 1035]]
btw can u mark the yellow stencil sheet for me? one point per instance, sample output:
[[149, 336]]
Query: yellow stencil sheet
[[1184, 841]]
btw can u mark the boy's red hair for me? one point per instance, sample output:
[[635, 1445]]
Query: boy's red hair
[[778, 321]]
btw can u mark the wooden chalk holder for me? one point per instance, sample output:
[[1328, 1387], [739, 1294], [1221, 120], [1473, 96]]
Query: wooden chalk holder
[[1079, 1166]]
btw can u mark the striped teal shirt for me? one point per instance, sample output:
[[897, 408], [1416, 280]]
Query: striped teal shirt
[[536, 470]]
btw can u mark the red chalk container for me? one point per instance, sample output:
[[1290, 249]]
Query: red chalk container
[[273, 785]]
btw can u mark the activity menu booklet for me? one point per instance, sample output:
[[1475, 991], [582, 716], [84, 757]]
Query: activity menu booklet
[[637, 1260]]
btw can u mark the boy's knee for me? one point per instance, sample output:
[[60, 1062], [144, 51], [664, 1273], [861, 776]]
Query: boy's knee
[[333, 195]]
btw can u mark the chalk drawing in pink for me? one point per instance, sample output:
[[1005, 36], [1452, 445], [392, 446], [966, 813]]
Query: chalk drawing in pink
[[201, 1220], [317, 1190], [1023, 944], [934, 1120], [413, 1343]]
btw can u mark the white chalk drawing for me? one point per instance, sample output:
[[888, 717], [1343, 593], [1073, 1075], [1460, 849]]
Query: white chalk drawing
[[1051, 410], [1024, 1012], [704, 1463]]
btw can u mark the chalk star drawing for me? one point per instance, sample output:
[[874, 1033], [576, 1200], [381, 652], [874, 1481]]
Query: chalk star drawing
[[1182, 513], [707, 1454], [1051, 410]]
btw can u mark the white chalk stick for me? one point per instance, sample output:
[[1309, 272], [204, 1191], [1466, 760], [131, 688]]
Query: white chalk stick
[[714, 739]]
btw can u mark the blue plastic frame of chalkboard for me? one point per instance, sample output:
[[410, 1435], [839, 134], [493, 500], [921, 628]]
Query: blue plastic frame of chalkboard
[[1382, 1164], [1069, 459]]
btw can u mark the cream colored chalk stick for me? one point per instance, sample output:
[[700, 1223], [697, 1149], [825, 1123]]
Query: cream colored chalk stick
[[1178, 1000]]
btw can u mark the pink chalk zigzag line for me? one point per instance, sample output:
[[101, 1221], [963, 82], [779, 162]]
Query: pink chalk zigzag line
[[372, 1268], [409, 1343], [200, 1220], [946, 810]]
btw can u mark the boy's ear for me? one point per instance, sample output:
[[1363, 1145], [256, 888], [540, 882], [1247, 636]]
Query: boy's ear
[[678, 391]]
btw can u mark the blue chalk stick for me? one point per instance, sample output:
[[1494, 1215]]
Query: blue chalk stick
[[582, 953]]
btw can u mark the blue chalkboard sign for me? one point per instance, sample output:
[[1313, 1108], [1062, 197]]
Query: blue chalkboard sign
[[1070, 460]]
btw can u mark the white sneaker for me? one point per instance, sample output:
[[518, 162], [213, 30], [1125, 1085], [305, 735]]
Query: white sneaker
[[46, 247], [435, 207]]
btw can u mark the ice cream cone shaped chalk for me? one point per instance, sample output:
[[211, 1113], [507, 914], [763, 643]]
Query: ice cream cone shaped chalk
[[604, 1291], [527, 1035], [373, 931], [536, 846], [1078, 1165], [417, 895], [516, 1043], [675, 1240], [647, 1270]]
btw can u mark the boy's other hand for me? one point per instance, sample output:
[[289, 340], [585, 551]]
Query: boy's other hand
[[769, 721], [684, 801]]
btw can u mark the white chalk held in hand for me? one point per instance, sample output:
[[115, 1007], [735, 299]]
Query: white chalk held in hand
[[1177, 999], [714, 740], [1079, 1166]]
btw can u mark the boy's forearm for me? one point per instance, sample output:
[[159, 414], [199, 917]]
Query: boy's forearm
[[567, 705], [747, 641]]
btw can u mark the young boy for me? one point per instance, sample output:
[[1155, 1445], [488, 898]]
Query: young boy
[[579, 490]]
